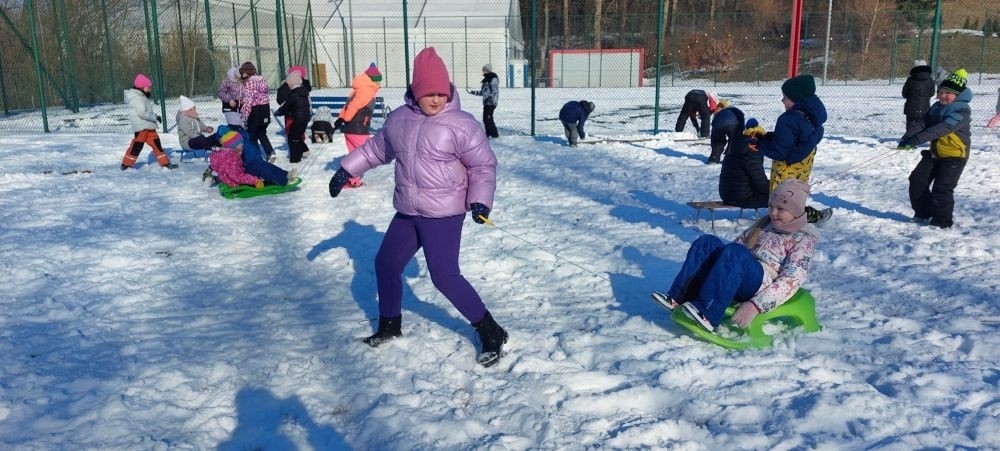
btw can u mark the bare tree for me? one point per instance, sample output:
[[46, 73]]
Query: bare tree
[[598, 14], [566, 21]]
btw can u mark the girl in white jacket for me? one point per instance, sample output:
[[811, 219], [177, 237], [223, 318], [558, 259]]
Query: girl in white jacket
[[144, 123]]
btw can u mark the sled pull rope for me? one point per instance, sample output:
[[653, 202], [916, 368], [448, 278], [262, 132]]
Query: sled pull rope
[[857, 167], [490, 223]]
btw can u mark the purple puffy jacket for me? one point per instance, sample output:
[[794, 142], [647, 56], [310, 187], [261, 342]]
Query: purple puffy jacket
[[443, 162]]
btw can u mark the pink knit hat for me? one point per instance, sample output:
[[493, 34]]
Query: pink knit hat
[[430, 76], [300, 69], [142, 81], [791, 195]]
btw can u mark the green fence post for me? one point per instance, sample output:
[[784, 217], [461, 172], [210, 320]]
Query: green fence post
[[936, 36], [236, 38], [531, 61], [180, 39], [659, 62], [312, 32], [3, 89], [30, 4], [211, 41], [67, 52], [406, 43], [107, 51], [278, 30], [149, 37], [256, 35], [982, 47], [159, 66], [892, 51]]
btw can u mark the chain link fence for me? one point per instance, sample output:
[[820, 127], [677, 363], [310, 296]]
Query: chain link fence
[[66, 62]]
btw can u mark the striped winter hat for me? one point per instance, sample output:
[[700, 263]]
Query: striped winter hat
[[373, 73], [231, 139]]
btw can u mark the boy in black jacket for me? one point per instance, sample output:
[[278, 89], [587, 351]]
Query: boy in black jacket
[[918, 90]]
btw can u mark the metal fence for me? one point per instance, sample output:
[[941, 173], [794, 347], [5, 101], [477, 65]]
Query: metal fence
[[66, 62]]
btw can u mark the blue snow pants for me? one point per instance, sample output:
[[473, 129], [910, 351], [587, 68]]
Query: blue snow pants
[[714, 274]]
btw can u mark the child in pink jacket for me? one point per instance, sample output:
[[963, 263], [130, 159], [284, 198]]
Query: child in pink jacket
[[445, 168], [228, 163]]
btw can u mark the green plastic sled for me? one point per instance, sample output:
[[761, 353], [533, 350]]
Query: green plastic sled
[[801, 308], [245, 191]]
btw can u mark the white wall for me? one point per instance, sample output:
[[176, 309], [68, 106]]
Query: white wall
[[464, 51]]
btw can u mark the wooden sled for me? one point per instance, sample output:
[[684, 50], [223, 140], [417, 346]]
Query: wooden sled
[[712, 205]]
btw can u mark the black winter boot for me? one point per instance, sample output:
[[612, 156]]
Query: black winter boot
[[388, 328], [493, 337]]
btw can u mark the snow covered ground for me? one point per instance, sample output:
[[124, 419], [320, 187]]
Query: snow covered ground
[[141, 310]]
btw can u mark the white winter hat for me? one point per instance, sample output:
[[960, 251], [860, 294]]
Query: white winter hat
[[186, 103], [487, 67]]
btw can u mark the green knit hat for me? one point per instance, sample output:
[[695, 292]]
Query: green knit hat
[[798, 88]]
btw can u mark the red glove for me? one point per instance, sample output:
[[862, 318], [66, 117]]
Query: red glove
[[994, 122]]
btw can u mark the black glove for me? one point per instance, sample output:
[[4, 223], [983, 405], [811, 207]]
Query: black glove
[[339, 125], [478, 210], [907, 143], [338, 181]]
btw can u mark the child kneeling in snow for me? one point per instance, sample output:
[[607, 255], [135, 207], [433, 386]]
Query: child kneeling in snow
[[322, 126], [761, 269], [227, 165]]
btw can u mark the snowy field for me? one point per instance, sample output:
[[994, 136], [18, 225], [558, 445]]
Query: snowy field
[[141, 310]]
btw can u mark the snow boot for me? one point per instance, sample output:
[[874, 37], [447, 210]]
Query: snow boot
[[388, 328], [493, 337]]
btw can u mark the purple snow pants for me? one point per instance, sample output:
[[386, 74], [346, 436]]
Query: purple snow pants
[[441, 239]]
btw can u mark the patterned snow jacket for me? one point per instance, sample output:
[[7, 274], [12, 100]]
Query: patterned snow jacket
[[490, 89], [231, 89], [255, 94], [229, 166], [444, 162], [785, 258]]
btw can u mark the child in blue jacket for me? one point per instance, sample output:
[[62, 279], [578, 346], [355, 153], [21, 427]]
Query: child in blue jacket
[[948, 128], [573, 115]]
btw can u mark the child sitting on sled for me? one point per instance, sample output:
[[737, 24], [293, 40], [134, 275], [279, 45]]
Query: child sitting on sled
[[760, 270], [227, 164]]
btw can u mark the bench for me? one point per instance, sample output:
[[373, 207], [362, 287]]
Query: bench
[[337, 103], [712, 205]]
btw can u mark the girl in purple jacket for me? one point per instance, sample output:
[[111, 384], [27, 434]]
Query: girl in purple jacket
[[444, 167]]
